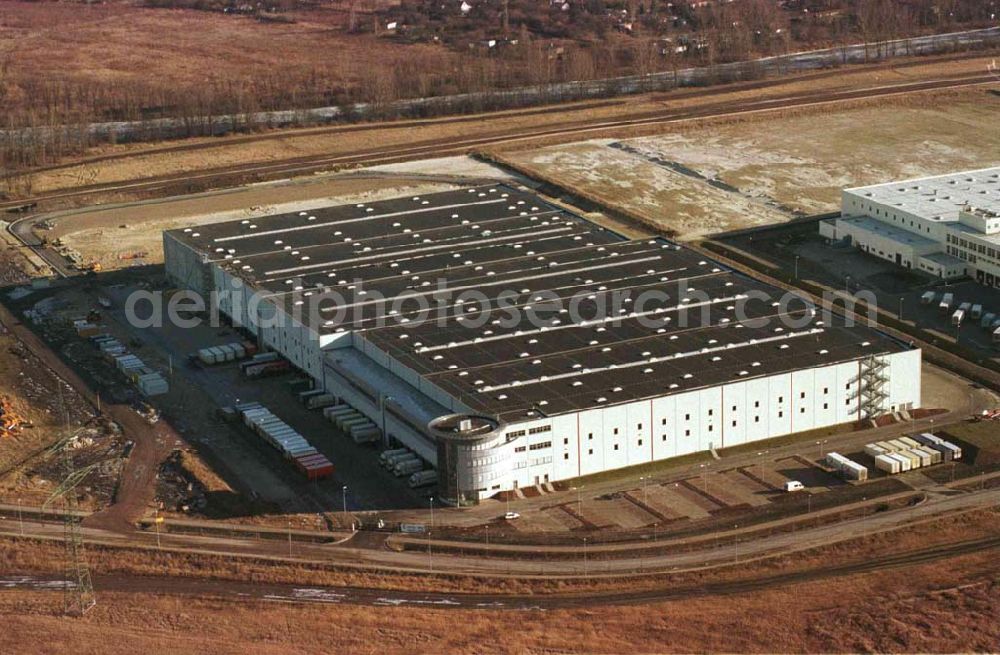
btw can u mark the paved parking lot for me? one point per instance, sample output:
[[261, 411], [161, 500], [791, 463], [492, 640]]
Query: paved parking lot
[[369, 486], [843, 267]]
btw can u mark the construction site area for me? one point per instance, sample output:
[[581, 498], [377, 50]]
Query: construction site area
[[401, 393]]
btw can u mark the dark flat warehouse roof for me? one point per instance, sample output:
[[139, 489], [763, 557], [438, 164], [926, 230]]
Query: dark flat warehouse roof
[[586, 319]]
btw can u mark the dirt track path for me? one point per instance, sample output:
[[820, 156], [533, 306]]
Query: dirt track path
[[153, 443]]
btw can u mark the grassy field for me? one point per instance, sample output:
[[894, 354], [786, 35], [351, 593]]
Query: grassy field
[[775, 163], [142, 49]]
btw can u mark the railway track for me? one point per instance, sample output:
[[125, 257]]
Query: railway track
[[238, 591], [220, 176]]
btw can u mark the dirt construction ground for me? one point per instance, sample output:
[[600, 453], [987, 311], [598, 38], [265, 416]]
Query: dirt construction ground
[[133, 234], [703, 178]]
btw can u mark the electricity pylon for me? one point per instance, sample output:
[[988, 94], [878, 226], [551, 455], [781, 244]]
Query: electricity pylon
[[79, 589]]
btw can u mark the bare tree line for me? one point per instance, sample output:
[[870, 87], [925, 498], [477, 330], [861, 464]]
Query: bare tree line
[[45, 119]]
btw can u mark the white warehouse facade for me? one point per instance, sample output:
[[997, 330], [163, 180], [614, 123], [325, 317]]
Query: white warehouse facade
[[947, 226], [510, 343]]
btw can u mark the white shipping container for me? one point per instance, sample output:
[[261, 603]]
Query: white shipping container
[[934, 455], [390, 462], [874, 450], [904, 462], [389, 453], [924, 458], [346, 421], [888, 464], [320, 401], [956, 452], [855, 471], [407, 467], [330, 411], [370, 436], [898, 445], [422, 479]]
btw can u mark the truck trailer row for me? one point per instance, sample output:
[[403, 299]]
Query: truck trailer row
[[148, 381], [292, 445], [910, 453]]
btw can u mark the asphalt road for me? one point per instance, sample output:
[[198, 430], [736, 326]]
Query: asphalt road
[[366, 551]]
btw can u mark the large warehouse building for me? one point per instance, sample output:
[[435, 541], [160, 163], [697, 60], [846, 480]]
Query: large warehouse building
[[511, 343], [947, 226]]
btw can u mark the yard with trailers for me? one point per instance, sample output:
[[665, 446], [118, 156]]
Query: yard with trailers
[[231, 473]]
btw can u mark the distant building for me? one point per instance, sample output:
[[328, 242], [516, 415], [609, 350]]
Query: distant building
[[947, 226]]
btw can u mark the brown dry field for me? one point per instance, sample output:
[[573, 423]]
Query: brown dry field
[[122, 42], [145, 160], [801, 158], [946, 606]]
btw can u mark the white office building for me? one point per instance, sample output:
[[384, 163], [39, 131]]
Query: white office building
[[947, 226]]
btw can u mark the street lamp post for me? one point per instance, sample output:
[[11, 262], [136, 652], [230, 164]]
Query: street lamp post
[[900, 308], [432, 512], [343, 492], [20, 518], [796, 267]]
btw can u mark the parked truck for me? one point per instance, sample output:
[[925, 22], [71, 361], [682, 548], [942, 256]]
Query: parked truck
[[320, 401], [928, 297], [422, 479], [946, 302], [406, 467], [391, 462], [392, 452], [958, 317]]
